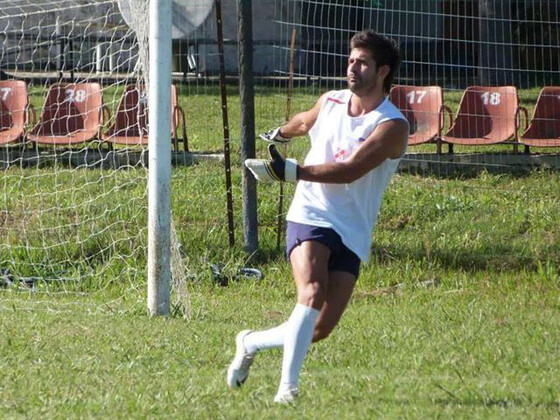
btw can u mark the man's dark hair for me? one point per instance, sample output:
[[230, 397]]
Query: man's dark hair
[[384, 51]]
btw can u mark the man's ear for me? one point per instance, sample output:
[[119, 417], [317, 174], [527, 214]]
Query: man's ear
[[383, 71]]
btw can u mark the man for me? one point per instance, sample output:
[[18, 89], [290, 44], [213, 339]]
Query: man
[[357, 140]]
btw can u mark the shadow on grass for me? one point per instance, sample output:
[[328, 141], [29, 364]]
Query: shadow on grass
[[500, 403], [503, 258], [474, 401], [466, 171]]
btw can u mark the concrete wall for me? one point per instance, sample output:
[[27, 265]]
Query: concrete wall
[[266, 36], [29, 39]]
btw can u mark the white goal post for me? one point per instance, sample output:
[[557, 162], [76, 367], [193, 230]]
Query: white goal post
[[159, 182]]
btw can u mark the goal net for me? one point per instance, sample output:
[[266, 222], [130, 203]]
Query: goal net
[[73, 151], [71, 212]]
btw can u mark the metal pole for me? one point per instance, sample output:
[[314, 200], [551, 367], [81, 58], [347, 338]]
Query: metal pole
[[227, 163], [247, 99], [59, 48], [284, 148], [159, 145], [99, 58]]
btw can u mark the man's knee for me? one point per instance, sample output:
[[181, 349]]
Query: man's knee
[[322, 331], [312, 294]]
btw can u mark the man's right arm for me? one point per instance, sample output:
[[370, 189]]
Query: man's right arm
[[302, 122]]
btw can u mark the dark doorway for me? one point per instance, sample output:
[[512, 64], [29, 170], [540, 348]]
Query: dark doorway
[[461, 34]]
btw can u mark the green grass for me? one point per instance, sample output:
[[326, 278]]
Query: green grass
[[472, 347], [457, 315]]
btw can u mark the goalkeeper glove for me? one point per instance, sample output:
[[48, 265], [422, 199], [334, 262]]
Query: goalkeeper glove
[[273, 136], [277, 169]]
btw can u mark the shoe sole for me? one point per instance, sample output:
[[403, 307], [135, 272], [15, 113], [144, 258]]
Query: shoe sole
[[238, 341]]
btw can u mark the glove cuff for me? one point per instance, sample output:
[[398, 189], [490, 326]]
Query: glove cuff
[[279, 137], [290, 170], [274, 136]]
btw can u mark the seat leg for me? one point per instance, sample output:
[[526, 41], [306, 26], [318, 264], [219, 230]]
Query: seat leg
[[185, 143]]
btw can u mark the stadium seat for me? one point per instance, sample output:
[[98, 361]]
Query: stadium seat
[[486, 115], [130, 125], [544, 129], [14, 110], [72, 114], [424, 109]]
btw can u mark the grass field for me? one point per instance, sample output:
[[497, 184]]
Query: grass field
[[457, 315]]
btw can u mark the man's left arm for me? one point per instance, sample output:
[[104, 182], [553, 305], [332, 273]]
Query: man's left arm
[[388, 141]]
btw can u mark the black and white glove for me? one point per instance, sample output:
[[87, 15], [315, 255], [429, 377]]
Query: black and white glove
[[273, 136], [277, 169]]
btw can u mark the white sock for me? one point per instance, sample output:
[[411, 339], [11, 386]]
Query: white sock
[[297, 338], [267, 339]]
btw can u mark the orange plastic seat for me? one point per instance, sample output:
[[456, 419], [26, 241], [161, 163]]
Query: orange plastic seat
[[13, 110], [544, 129], [487, 115], [423, 108], [72, 114], [130, 125]]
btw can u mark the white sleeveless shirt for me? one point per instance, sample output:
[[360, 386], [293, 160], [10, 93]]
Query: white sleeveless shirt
[[349, 209]]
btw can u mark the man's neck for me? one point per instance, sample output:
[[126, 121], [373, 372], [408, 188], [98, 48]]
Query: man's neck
[[362, 104]]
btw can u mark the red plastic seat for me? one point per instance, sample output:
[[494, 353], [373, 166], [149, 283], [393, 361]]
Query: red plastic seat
[[72, 114], [423, 108], [544, 129], [14, 113], [487, 115], [130, 125]]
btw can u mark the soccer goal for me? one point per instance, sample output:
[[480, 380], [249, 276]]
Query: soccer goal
[[83, 204], [70, 214]]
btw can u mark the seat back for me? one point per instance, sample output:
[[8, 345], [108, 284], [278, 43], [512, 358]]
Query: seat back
[[487, 112], [545, 123], [13, 104], [131, 119], [70, 107], [421, 105]]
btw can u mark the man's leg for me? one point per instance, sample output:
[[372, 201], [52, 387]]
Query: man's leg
[[340, 287], [310, 269], [339, 291]]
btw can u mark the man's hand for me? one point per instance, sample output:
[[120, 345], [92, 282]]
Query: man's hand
[[274, 137], [277, 169]]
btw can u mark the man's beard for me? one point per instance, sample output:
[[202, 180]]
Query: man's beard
[[361, 86]]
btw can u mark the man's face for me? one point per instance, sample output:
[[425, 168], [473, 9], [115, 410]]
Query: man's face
[[362, 72]]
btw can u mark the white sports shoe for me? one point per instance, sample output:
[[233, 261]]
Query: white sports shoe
[[238, 370], [286, 396]]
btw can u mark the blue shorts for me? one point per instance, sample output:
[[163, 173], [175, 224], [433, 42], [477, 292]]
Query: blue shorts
[[341, 259]]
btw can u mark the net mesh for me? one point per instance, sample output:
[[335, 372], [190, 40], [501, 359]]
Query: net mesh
[[73, 213], [74, 161], [70, 213], [451, 45]]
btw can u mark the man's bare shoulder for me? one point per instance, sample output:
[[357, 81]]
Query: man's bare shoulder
[[393, 134]]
